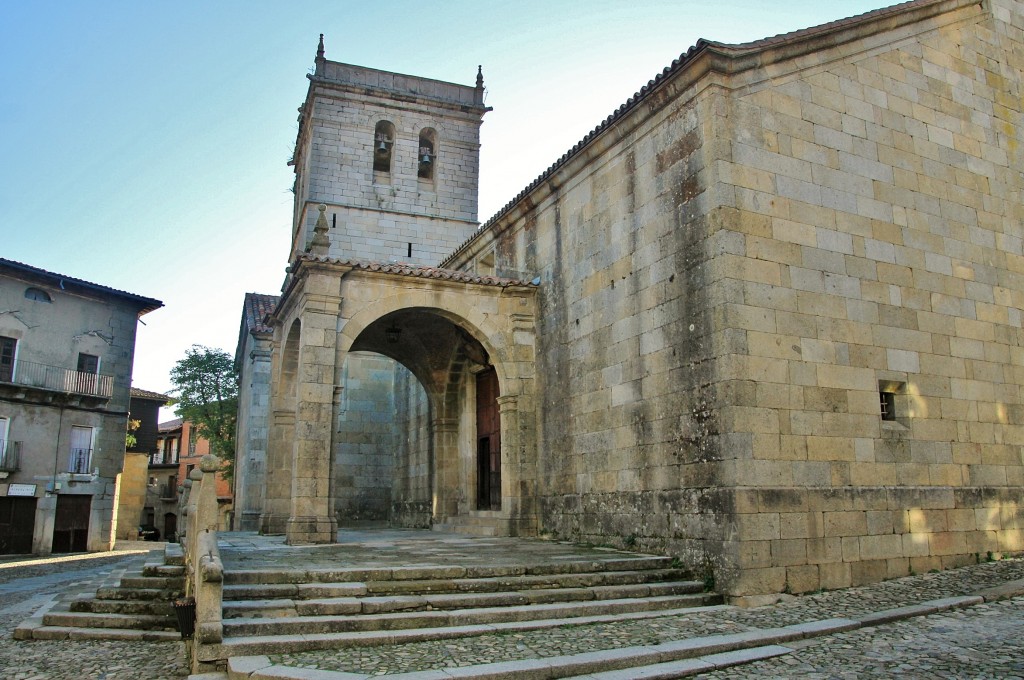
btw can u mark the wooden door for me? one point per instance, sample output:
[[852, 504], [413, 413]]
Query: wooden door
[[488, 442], [17, 522], [71, 524], [170, 527]]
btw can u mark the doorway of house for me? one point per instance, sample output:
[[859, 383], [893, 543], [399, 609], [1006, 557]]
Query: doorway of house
[[71, 524], [17, 522]]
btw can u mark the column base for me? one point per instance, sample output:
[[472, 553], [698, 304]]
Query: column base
[[306, 530], [273, 524]]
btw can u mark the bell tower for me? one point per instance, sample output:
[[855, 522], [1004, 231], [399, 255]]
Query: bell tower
[[395, 159]]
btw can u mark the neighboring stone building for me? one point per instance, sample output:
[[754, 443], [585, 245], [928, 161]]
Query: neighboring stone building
[[252, 362], [179, 447], [765, 317], [132, 485], [66, 353]]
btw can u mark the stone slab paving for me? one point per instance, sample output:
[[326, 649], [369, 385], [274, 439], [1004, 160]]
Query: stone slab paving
[[391, 548], [851, 604], [29, 584]]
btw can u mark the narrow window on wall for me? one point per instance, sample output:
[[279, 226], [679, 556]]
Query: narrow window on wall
[[426, 160], [7, 348], [383, 149], [81, 450], [889, 403]]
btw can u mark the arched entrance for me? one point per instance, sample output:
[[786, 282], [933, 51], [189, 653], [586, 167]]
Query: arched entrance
[[462, 397]]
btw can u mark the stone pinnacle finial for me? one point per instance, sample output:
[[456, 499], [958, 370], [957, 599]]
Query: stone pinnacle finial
[[480, 75], [320, 48], [320, 244]]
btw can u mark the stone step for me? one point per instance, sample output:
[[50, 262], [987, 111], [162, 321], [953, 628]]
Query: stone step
[[174, 555], [451, 585], [305, 625], [441, 572], [122, 593], [105, 620], [292, 591], [159, 569], [85, 633], [276, 608], [153, 582], [258, 645], [133, 607]]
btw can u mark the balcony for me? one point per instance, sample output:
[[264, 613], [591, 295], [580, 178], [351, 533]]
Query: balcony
[[79, 463], [164, 458], [10, 457], [59, 379]]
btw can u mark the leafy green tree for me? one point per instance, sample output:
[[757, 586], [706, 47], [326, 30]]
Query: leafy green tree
[[206, 394]]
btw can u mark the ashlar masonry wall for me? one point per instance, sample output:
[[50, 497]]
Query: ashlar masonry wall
[[874, 207], [733, 272]]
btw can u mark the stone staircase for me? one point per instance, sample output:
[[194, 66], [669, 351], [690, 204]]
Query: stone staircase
[[269, 612], [133, 604]]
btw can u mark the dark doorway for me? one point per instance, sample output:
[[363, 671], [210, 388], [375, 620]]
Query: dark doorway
[[488, 442], [71, 524], [170, 527], [17, 521]]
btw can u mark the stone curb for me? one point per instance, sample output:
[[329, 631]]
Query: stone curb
[[676, 658]]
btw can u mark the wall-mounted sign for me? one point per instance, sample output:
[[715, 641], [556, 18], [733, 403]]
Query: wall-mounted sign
[[21, 489]]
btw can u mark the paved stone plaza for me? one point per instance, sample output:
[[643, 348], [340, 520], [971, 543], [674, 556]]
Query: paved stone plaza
[[981, 641]]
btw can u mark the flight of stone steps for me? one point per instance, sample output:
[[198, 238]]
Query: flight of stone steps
[[133, 604], [267, 611]]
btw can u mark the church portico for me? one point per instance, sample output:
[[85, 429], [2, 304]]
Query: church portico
[[452, 333]]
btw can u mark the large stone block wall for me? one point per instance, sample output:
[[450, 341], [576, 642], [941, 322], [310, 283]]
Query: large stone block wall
[[624, 338], [366, 439], [411, 486], [876, 243], [252, 432], [380, 214], [728, 286], [363, 234]]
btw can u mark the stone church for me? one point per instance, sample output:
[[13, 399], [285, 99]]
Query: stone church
[[766, 317]]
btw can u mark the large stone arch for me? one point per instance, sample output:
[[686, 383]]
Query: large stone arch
[[474, 311], [341, 308]]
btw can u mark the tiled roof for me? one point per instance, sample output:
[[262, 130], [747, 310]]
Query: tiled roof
[[678, 65], [420, 271], [255, 310], [63, 282], [136, 393], [170, 425]]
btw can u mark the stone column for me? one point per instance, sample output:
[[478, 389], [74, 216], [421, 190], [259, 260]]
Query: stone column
[[313, 519], [445, 432], [277, 501]]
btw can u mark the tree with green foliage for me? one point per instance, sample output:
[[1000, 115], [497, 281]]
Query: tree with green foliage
[[206, 394]]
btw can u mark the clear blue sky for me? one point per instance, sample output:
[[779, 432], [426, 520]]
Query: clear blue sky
[[144, 144]]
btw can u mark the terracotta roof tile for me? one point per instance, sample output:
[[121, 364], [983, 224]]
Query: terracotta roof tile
[[420, 271], [137, 393], [256, 308]]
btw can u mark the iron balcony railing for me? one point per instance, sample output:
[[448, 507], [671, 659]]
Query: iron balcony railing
[[47, 377], [79, 463], [10, 456], [163, 458]]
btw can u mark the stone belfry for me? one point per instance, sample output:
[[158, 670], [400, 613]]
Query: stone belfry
[[395, 159]]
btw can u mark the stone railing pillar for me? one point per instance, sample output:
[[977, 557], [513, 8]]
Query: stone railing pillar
[[204, 571]]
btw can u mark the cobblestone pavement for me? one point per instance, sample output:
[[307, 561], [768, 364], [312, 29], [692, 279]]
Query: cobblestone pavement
[[985, 641], [27, 583]]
